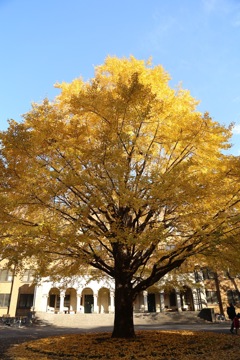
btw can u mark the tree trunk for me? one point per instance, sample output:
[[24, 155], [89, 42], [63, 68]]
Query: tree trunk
[[123, 320], [221, 310]]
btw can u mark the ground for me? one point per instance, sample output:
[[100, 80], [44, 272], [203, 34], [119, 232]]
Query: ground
[[148, 345]]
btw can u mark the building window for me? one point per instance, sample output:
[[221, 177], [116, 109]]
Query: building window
[[25, 301], [4, 300], [233, 296], [27, 276], [198, 276], [6, 275], [54, 301], [211, 297], [208, 274]]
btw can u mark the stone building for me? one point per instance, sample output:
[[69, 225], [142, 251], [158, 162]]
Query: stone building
[[20, 294]]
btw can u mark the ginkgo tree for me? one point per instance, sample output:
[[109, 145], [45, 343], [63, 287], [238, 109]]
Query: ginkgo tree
[[120, 173]]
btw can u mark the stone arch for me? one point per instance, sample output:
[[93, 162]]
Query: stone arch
[[153, 299], [53, 300], [187, 299], [103, 300], [170, 299], [138, 304], [25, 299], [70, 300], [87, 300]]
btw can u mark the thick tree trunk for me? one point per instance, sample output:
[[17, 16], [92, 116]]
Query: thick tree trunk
[[123, 320]]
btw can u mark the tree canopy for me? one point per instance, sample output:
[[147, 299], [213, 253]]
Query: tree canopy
[[120, 173]]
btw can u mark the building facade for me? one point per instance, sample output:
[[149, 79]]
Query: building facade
[[19, 294]]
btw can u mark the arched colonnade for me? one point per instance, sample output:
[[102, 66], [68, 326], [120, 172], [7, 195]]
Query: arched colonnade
[[101, 300], [86, 300]]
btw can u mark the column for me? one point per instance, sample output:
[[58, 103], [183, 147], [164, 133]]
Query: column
[[79, 306], [44, 302], [145, 301], [61, 306], [162, 302], [112, 302], [38, 304], [95, 305], [178, 298]]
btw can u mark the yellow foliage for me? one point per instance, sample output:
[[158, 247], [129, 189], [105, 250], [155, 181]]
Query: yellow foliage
[[115, 169], [148, 345]]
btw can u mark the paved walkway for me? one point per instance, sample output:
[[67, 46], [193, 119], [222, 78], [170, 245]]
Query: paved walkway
[[16, 335]]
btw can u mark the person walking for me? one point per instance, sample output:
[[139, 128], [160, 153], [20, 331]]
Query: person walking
[[236, 323], [231, 314]]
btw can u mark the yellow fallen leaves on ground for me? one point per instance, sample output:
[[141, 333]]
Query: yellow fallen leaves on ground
[[148, 345]]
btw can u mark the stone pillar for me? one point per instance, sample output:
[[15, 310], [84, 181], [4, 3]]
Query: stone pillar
[[184, 305], [112, 302], [145, 302], [44, 302], [61, 306], [38, 305], [196, 304], [95, 303], [178, 298], [79, 306], [162, 302]]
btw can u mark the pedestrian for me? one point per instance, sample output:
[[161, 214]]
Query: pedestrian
[[231, 314], [236, 323]]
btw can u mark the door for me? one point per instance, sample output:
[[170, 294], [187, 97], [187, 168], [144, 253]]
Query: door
[[151, 303], [88, 304]]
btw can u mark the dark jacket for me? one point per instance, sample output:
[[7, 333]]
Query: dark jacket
[[231, 312]]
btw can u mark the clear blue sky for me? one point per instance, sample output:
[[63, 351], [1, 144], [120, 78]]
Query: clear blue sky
[[47, 41]]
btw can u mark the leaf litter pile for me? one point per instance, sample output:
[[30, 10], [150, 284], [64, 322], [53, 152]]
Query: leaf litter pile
[[148, 345]]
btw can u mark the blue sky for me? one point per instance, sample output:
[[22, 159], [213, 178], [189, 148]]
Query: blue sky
[[43, 42]]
